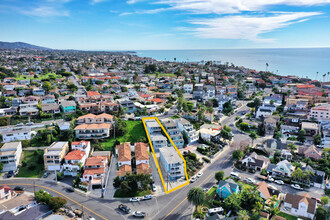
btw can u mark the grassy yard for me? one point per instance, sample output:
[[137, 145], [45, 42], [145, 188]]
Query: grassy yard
[[33, 165], [40, 77], [212, 191], [163, 74], [135, 133], [287, 216], [120, 194]]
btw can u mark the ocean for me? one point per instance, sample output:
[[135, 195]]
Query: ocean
[[303, 62]]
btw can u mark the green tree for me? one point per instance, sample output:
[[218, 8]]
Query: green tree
[[1, 166], [46, 86], [301, 136], [237, 154], [244, 126], [292, 147], [56, 203], [253, 136], [324, 200], [42, 196], [243, 215], [317, 139], [219, 175], [322, 213], [227, 108], [196, 196]]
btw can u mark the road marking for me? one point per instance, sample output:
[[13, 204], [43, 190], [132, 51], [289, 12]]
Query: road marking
[[28, 184], [153, 151], [174, 209]]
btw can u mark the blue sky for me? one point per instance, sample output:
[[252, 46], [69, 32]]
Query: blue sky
[[166, 24]]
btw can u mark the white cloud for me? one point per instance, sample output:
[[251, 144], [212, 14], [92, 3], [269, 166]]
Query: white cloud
[[232, 6], [246, 27], [134, 1], [45, 11]]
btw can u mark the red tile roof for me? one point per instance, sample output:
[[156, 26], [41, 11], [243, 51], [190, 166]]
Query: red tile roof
[[75, 155], [92, 93]]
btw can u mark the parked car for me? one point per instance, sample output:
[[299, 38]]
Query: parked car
[[280, 182], [199, 174], [147, 197], [250, 181], [20, 124], [270, 179], [30, 123], [234, 175], [46, 174], [139, 214], [9, 175], [134, 199], [70, 189], [153, 187], [296, 186], [192, 180], [124, 208], [19, 188]]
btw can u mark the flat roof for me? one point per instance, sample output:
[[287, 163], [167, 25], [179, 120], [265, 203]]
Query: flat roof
[[157, 137], [170, 155], [10, 145]]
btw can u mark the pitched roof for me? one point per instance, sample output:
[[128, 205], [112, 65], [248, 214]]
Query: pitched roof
[[123, 170], [93, 126], [141, 151], [295, 199], [95, 161], [124, 152], [92, 93], [75, 155], [263, 188], [143, 168], [93, 171]]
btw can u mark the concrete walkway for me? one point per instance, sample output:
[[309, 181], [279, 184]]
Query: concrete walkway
[[110, 190]]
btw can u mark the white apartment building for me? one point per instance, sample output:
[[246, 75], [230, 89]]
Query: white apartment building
[[188, 88], [172, 163], [185, 126], [73, 160], [10, 155], [16, 134], [320, 112], [84, 146]]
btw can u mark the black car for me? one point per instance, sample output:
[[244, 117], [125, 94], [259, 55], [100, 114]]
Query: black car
[[124, 208], [19, 188], [70, 189]]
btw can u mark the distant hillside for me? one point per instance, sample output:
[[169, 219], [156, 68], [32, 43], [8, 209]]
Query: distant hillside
[[20, 45]]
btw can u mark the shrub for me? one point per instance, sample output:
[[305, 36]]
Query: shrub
[[31, 166], [207, 160], [192, 156], [56, 202], [216, 203]]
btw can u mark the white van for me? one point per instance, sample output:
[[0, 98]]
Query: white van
[[234, 175]]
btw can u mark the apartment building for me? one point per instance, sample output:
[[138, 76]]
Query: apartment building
[[92, 131], [95, 171], [321, 112], [185, 126], [188, 88], [84, 146], [54, 155], [72, 162], [142, 159], [173, 131], [16, 134], [172, 163], [10, 155], [95, 119]]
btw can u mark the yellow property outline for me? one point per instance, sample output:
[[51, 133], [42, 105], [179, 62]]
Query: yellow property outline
[[153, 151]]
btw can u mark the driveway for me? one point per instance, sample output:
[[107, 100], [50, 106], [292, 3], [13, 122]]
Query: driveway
[[156, 177], [110, 190]]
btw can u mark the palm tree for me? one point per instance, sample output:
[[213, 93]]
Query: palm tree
[[328, 77], [196, 196], [243, 215], [317, 73], [266, 67]]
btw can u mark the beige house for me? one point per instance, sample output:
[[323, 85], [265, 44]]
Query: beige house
[[95, 119], [54, 155]]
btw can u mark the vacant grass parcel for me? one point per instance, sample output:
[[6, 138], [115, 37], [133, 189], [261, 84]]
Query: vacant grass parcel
[[32, 164]]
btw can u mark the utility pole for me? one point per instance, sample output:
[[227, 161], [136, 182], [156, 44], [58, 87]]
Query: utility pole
[[101, 187], [55, 170], [34, 186]]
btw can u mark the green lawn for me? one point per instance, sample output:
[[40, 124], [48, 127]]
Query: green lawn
[[40, 77], [120, 194], [287, 216], [32, 167], [164, 74], [135, 133], [212, 191]]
